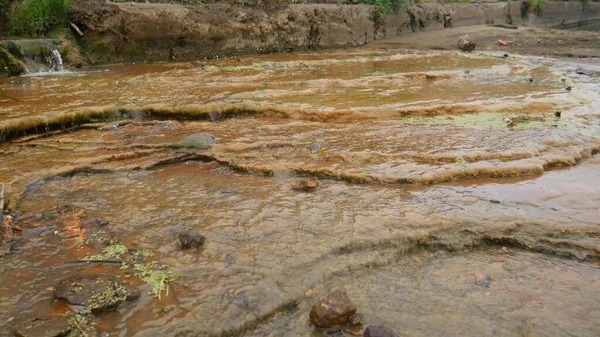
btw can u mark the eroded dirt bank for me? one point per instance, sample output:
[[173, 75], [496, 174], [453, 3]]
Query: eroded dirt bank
[[457, 194], [132, 32]]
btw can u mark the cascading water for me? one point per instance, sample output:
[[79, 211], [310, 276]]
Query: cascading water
[[54, 61], [38, 56]]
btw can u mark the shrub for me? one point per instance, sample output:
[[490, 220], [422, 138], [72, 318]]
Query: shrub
[[537, 6], [37, 17], [385, 6]]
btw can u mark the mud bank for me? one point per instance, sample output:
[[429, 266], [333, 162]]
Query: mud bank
[[154, 32], [129, 32]]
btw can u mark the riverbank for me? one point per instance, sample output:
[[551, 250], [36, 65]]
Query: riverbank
[[102, 32], [135, 32], [521, 40]]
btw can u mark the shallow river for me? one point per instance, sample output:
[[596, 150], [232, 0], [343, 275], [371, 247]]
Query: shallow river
[[436, 170]]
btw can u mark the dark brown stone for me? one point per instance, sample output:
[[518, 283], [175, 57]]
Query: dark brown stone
[[190, 240], [379, 331], [334, 310], [42, 327], [93, 223]]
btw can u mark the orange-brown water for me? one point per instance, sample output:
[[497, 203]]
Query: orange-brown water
[[423, 187]]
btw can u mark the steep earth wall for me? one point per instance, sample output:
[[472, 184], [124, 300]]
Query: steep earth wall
[[427, 17], [134, 31], [129, 32]]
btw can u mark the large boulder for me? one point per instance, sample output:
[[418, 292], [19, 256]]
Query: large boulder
[[334, 310], [466, 44]]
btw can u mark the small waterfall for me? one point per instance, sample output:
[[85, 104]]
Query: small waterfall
[[54, 61], [38, 56]]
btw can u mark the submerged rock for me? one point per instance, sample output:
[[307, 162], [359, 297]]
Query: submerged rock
[[190, 240], [43, 327], [306, 185], [56, 326], [198, 141], [379, 331], [466, 44], [582, 71], [334, 310], [94, 292], [483, 280], [93, 223]]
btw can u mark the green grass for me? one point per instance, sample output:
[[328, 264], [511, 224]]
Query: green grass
[[37, 17]]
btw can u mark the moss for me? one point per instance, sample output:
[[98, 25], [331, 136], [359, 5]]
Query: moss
[[9, 65], [134, 52], [115, 251], [111, 296]]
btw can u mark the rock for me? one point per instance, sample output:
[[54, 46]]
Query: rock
[[582, 71], [379, 331], [190, 240], [306, 185], [332, 311], [314, 147], [483, 280], [93, 223], [198, 141], [43, 327], [9, 65], [94, 292], [465, 43]]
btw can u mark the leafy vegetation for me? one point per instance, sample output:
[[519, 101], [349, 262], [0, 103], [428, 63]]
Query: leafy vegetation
[[383, 7], [115, 251], [153, 274], [584, 4], [536, 6], [36, 17]]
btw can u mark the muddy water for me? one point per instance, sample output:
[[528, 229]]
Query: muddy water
[[424, 190]]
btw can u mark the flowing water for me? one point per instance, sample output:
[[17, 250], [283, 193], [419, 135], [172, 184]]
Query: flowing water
[[423, 188]]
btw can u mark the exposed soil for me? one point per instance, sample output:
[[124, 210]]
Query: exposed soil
[[523, 40]]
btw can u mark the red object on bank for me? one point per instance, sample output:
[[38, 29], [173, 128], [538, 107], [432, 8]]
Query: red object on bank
[[502, 43]]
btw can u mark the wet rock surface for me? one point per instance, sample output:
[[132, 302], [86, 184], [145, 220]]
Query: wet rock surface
[[379, 331], [94, 292], [404, 220], [306, 185], [333, 311], [198, 141], [94, 223], [190, 240], [43, 327]]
